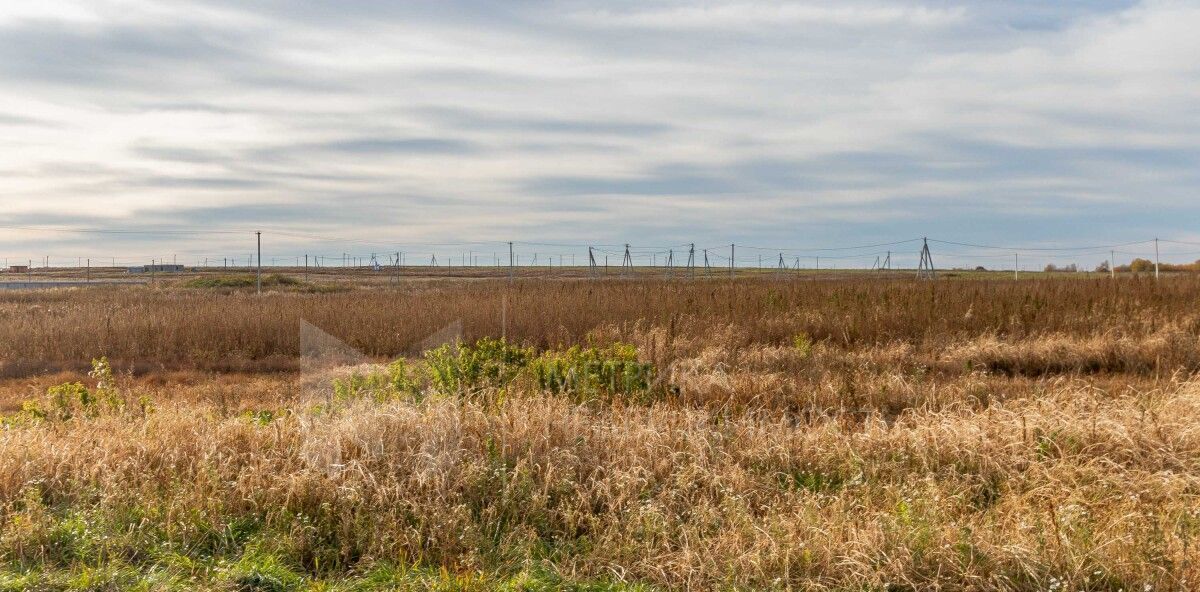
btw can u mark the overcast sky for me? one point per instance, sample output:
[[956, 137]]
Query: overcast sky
[[400, 124]]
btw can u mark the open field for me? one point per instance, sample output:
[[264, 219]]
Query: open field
[[796, 432]]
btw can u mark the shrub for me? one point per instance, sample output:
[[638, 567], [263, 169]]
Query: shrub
[[590, 373], [489, 362]]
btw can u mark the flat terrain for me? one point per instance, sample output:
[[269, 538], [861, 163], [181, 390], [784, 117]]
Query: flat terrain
[[352, 431]]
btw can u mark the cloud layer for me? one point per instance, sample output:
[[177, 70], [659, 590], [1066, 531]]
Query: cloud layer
[[657, 123]]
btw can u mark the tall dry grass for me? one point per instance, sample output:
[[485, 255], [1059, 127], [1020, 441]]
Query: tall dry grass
[[1088, 489], [179, 328]]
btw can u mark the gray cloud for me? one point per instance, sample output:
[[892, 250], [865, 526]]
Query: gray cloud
[[396, 146], [847, 122], [477, 120]]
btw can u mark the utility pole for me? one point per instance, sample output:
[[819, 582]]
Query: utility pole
[[692, 260], [1112, 264], [89, 271], [732, 254], [1156, 259], [511, 260], [1016, 265], [925, 267], [258, 278]]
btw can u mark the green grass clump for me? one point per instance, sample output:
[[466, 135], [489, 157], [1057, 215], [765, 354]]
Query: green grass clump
[[256, 571]]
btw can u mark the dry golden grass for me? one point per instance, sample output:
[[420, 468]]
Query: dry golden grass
[[150, 329], [959, 435]]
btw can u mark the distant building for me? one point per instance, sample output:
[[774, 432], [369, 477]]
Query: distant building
[[18, 269], [158, 268]]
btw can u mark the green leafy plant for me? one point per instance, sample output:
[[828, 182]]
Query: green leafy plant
[[395, 381], [74, 399], [106, 391], [464, 368], [594, 372], [803, 344]]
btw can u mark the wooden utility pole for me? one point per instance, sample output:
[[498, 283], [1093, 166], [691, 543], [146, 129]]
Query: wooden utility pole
[[258, 277], [692, 260], [1155, 258]]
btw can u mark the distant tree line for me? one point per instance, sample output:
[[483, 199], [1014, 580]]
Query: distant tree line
[[1138, 265], [1146, 265]]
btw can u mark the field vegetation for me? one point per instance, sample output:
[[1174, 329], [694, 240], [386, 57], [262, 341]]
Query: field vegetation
[[605, 435]]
